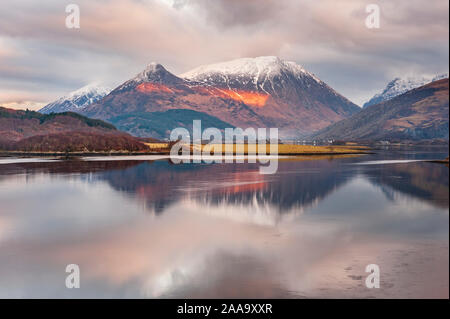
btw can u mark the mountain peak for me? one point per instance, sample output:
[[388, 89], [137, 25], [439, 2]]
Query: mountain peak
[[78, 99], [94, 88], [154, 67], [153, 73], [268, 75], [398, 86], [247, 66]]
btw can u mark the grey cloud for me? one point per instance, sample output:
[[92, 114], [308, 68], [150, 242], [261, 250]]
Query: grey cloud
[[40, 57], [232, 13]]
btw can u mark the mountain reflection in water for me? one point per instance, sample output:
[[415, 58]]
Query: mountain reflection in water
[[156, 229]]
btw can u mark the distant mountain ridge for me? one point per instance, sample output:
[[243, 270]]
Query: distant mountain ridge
[[401, 85], [253, 92], [76, 100], [419, 114]]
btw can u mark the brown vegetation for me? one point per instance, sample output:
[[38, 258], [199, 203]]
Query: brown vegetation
[[27, 131]]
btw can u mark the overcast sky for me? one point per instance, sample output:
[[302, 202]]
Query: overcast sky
[[41, 59]]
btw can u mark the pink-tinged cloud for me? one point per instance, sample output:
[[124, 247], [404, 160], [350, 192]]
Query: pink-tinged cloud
[[117, 38]]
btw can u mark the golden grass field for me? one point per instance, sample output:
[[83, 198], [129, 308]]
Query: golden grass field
[[157, 145], [283, 149]]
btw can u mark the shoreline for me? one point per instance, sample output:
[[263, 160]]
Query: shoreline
[[107, 154], [444, 161]]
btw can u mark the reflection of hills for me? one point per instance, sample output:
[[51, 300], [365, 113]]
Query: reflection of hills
[[64, 167], [160, 183], [297, 185], [388, 192], [427, 181]]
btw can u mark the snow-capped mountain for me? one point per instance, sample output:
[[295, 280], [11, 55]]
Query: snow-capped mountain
[[419, 114], [399, 86], [301, 94], [250, 92], [260, 74], [77, 100]]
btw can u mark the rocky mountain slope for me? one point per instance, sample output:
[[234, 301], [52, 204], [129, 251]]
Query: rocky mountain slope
[[418, 114]]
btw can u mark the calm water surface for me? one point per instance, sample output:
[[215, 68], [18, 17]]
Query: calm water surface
[[152, 229]]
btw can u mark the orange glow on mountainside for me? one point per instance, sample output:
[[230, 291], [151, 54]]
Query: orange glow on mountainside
[[153, 88], [249, 98]]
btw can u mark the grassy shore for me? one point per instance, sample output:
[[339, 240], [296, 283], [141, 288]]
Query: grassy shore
[[283, 149], [237, 149]]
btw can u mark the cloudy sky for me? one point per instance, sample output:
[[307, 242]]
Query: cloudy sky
[[41, 59]]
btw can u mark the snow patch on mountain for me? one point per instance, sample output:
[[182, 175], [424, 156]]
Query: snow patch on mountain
[[399, 86], [77, 100], [258, 72]]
